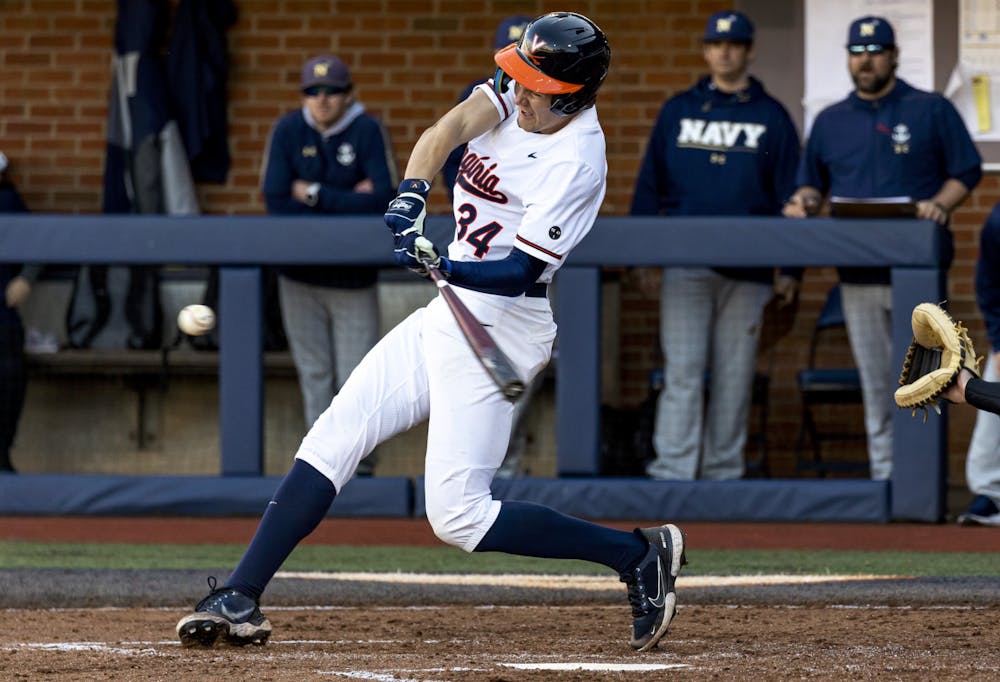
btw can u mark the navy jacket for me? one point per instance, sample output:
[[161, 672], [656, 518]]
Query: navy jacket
[[10, 202], [988, 276], [197, 68], [724, 154], [355, 149], [907, 143]]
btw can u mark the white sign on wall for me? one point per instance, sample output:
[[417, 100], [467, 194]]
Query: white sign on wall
[[974, 87]]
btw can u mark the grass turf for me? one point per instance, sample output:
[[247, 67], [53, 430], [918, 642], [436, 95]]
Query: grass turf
[[23, 554]]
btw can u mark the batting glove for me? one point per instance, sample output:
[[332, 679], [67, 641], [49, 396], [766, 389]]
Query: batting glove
[[407, 211], [418, 253]]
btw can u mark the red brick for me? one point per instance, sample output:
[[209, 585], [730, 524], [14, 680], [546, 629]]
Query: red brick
[[22, 23], [20, 60], [79, 23]]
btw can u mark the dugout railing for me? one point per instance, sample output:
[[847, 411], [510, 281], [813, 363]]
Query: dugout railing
[[917, 252]]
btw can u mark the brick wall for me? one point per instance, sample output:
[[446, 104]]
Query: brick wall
[[410, 59]]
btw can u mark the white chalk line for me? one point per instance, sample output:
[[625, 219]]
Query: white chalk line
[[148, 649], [572, 582], [151, 648], [599, 667]]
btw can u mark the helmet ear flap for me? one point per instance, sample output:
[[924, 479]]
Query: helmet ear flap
[[500, 81]]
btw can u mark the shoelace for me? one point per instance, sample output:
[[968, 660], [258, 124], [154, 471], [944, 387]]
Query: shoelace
[[636, 592], [215, 596]]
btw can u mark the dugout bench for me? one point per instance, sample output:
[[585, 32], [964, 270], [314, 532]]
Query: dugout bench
[[917, 252], [142, 371]]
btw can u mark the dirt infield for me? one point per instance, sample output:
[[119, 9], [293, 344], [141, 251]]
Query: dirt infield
[[473, 644], [942, 629]]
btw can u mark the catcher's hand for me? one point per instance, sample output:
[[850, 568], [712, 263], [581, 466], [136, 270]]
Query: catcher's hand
[[941, 347]]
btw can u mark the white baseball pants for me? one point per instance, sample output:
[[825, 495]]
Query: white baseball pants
[[425, 368]]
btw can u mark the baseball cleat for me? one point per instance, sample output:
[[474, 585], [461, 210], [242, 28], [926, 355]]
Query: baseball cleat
[[226, 616], [651, 585]]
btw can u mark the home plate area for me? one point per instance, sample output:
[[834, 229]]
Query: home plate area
[[493, 643]]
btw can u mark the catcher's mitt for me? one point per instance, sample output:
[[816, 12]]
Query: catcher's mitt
[[940, 348]]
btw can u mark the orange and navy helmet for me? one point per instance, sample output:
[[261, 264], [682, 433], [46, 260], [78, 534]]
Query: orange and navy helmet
[[561, 54]]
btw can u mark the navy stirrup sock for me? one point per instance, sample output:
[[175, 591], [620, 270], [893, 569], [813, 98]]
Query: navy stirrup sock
[[297, 507], [530, 529]]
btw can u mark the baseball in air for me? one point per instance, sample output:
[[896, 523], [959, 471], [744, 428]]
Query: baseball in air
[[196, 319]]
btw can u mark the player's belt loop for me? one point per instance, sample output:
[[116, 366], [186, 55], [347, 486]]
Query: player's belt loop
[[537, 290]]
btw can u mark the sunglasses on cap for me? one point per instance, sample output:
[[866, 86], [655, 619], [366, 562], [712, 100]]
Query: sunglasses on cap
[[870, 48], [317, 90]]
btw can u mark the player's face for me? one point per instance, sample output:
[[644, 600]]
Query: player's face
[[533, 114], [872, 72], [727, 60], [325, 106]]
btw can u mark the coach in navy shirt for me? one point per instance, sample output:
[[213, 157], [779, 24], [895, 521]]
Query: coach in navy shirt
[[723, 147], [329, 157], [886, 139]]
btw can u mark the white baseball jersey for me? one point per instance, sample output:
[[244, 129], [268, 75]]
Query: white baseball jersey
[[538, 192]]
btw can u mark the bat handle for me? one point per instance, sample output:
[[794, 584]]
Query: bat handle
[[432, 271]]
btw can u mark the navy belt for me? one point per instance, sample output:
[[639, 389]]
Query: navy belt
[[537, 290]]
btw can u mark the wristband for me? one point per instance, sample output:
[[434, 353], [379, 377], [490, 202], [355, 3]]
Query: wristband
[[418, 185]]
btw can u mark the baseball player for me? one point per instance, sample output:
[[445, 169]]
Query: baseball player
[[982, 461], [941, 365], [528, 190]]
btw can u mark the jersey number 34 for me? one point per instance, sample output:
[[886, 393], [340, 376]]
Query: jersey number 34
[[479, 237]]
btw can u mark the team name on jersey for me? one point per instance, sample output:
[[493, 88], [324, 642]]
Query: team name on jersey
[[719, 135], [477, 178]]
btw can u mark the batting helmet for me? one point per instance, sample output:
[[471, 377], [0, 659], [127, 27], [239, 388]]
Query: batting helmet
[[561, 54]]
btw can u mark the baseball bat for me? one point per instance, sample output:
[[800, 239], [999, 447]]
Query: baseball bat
[[497, 364]]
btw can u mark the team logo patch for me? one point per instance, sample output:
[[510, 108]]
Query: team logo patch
[[308, 151], [346, 154], [537, 44], [399, 204], [901, 139], [555, 232]]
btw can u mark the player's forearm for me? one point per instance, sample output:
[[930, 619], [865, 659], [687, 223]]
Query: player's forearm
[[431, 151], [983, 395], [510, 276], [466, 120]]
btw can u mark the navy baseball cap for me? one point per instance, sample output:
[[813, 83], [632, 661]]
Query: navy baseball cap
[[510, 30], [326, 70], [871, 31], [733, 26]]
